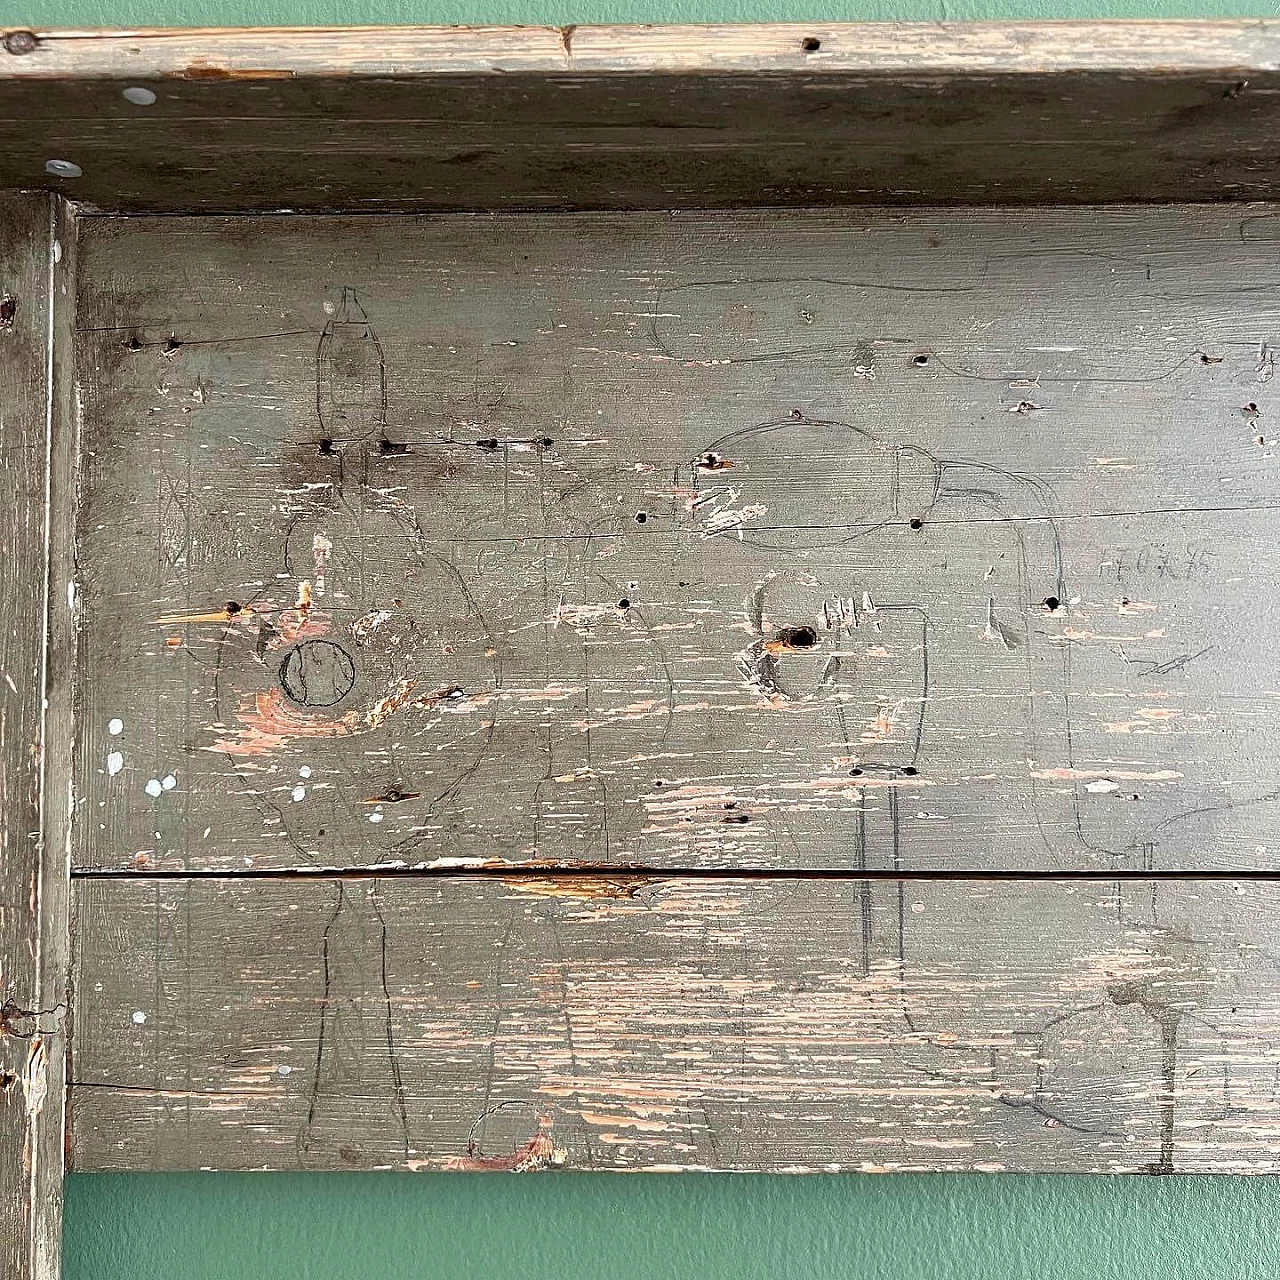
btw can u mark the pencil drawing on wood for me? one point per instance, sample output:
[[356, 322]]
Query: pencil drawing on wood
[[554, 624]]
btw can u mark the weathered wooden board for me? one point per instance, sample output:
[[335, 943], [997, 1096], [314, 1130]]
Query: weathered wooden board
[[34, 847], [891, 539], [644, 117], [647, 1023]]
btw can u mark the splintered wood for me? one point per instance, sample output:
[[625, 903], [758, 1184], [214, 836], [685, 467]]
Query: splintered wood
[[531, 667]]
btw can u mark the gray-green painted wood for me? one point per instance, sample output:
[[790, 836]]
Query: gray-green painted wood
[[916, 539], [561, 1022]]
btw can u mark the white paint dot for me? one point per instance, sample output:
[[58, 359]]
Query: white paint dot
[[139, 96], [305, 771], [168, 782], [154, 787], [1101, 785], [115, 727], [139, 1017], [299, 793], [284, 1071], [376, 816], [115, 762], [63, 168]]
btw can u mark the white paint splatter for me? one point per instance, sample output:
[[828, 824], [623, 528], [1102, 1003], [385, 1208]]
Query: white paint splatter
[[115, 726], [305, 771], [284, 1070], [376, 816], [299, 793], [1099, 785], [139, 1017], [168, 782], [154, 787], [115, 762]]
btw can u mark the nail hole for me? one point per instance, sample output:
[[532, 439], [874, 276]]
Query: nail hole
[[920, 359], [139, 96], [546, 442], [63, 168], [134, 344], [916, 523], [388, 447], [811, 44], [624, 603], [855, 773], [326, 447], [490, 445], [232, 608], [172, 344], [641, 517], [737, 817], [1052, 603], [909, 771], [8, 310], [798, 637]]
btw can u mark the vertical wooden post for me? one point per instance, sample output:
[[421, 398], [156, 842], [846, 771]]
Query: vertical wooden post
[[35, 764]]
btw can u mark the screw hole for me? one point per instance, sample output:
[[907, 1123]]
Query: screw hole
[[326, 447], [624, 604], [642, 517], [232, 608], [917, 523], [1052, 603], [797, 637], [811, 44], [909, 771]]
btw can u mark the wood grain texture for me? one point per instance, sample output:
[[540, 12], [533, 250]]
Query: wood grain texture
[[449, 118], [646, 1023], [33, 871], [932, 540]]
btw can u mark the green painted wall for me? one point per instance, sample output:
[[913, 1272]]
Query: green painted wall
[[560, 1227]]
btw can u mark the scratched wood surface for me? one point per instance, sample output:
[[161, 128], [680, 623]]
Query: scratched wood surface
[[930, 539], [646, 1023], [619, 117], [33, 877]]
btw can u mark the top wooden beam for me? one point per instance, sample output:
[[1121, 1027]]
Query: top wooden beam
[[461, 118]]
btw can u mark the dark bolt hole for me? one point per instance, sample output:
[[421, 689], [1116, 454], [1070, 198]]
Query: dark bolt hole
[[641, 517], [232, 608], [491, 444], [1251, 407], [920, 359], [798, 637], [909, 771], [389, 447], [811, 44], [326, 447], [737, 817], [917, 523], [1052, 603], [855, 773], [8, 310], [546, 442], [172, 344], [7, 1080], [624, 603]]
